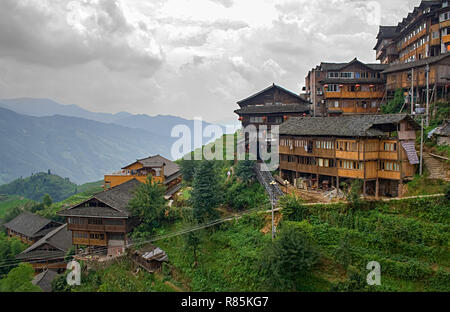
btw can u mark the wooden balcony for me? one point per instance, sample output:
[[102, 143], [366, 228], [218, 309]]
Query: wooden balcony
[[312, 169], [89, 242], [390, 175], [355, 110], [349, 173], [389, 155], [97, 228], [354, 95], [300, 151]]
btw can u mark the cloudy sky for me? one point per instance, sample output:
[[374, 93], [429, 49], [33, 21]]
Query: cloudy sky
[[181, 57]]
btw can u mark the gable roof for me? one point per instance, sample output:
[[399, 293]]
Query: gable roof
[[29, 224], [341, 126], [273, 86], [44, 280], [158, 161], [60, 238], [339, 66], [116, 199]]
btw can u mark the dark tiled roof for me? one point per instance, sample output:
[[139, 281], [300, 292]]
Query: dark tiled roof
[[116, 199], [273, 109], [59, 238], [157, 162], [274, 86], [338, 66], [44, 280], [387, 32], [340, 126], [403, 66], [29, 224]]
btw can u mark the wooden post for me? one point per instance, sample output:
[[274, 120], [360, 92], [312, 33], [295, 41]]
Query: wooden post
[[337, 183], [377, 189]]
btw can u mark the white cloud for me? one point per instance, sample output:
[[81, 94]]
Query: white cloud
[[180, 57]]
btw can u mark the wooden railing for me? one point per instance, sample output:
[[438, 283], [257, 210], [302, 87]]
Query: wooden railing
[[97, 227]]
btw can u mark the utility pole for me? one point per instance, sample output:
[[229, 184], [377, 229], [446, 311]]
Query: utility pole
[[412, 91], [272, 195], [427, 70], [421, 147]]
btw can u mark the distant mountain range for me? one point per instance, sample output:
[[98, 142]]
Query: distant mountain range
[[38, 134]]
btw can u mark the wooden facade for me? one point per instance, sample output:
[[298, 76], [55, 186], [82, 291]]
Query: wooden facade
[[346, 88], [103, 221], [159, 168], [271, 106], [380, 161], [424, 33]]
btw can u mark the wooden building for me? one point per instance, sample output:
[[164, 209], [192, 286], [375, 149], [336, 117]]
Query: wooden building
[[346, 88], [424, 33], [150, 258], [49, 251], [331, 150], [44, 280], [269, 107], [442, 133], [405, 75], [103, 221], [160, 168], [29, 228]]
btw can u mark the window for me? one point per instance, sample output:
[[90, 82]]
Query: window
[[390, 147], [389, 166], [97, 236], [256, 119], [333, 75], [333, 88], [347, 75]]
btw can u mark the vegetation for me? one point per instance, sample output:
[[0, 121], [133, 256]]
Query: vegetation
[[9, 248], [40, 184], [149, 206], [9, 202], [395, 105], [19, 280], [205, 195], [245, 170], [289, 258]]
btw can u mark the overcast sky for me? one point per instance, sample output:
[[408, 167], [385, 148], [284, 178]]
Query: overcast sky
[[181, 57]]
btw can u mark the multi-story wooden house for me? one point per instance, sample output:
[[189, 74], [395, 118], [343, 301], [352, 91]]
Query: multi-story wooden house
[[378, 149], [159, 168], [421, 39], [413, 74], [49, 252], [346, 88], [103, 220], [423, 33], [270, 107], [30, 228]]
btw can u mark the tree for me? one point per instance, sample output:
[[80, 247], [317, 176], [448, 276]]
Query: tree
[[9, 248], [343, 255], [148, 205], [293, 208], [192, 240], [187, 168], [245, 170], [395, 105], [205, 194], [447, 191], [353, 195], [19, 280], [47, 200], [289, 258]]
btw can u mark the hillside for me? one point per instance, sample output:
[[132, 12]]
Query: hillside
[[36, 186], [47, 107], [81, 149]]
